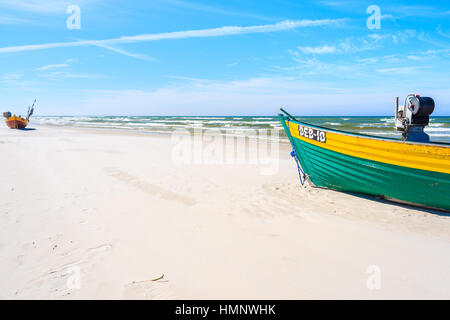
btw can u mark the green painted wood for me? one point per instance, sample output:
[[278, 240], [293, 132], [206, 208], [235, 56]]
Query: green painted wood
[[334, 170]]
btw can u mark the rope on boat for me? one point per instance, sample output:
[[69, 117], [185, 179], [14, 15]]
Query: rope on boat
[[301, 174]]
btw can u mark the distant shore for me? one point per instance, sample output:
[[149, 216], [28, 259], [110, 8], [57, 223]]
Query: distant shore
[[100, 213]]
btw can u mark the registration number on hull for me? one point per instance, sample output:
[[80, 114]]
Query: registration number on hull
[[314, 134]]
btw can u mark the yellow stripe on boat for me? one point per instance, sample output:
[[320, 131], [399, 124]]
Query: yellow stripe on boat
[[411, 155]]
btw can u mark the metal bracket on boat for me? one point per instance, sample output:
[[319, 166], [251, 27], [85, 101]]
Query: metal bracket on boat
[[413, 117]]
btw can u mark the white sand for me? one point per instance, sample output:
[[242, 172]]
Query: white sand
[[115, 206]]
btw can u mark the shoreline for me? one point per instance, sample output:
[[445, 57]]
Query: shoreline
[[137, 132], [116, 206]]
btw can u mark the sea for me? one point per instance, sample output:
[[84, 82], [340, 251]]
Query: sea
[[438, 130]]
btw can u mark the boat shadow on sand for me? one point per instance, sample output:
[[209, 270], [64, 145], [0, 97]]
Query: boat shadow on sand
[[27, 129], [381, 199]]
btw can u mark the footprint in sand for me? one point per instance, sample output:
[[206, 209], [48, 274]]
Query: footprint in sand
[[150, 188]]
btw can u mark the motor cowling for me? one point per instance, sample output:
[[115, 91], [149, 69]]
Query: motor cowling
[[413, 117], [7, 114]]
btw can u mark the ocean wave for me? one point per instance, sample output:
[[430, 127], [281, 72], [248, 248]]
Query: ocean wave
[[439, 124], [381, 126], [376, 133], [437, 130]]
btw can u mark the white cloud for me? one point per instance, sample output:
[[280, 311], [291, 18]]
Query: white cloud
[[374, 41], [233, 64], [254, 96], [212, 9], [12, 79], [435, 52], [52, 66], [15, 75], [442, 33], [352, 44], [368, 60], [405, 57], [387, 17], [61, 75], [393, 58], [413, 10], [127, 53], [402, 70], [317, 50], [202, 33], [414, 57], [335, 3], [41, 6], [12, 20]]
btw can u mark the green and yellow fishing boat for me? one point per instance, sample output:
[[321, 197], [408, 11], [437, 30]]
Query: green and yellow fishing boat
[[411, 170]]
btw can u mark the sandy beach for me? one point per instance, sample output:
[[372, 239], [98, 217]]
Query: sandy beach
[[98, 214]]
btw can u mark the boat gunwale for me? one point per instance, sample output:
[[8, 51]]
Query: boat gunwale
[[349, 133]]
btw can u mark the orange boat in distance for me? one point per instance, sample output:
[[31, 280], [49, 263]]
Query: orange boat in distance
[[17, 122]]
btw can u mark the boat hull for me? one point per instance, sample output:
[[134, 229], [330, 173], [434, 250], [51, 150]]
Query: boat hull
[[16, 123], [414, 173]]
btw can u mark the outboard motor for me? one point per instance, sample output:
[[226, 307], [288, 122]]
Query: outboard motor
[[7, 114], [412, 118]]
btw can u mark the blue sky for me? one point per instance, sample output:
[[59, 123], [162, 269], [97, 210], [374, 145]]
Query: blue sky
[[183, 57]]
